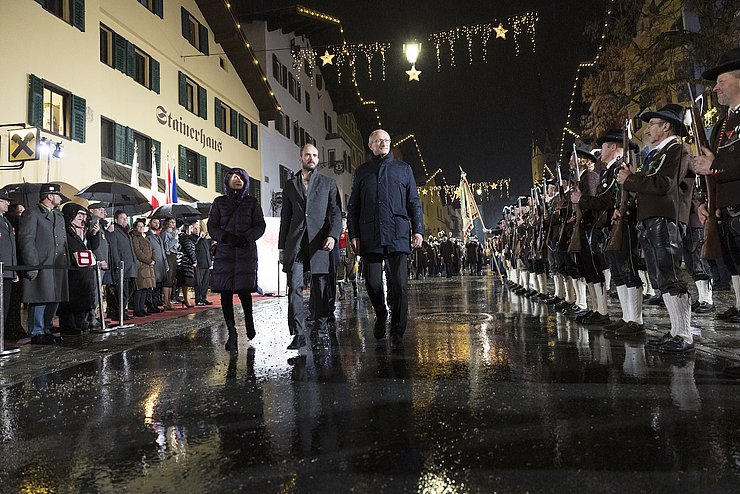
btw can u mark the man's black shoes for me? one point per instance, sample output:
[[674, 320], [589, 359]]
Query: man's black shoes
[[299, 341]]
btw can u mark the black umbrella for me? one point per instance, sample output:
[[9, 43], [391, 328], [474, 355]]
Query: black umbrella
[[178, 211], [27, 193], [203, 207], [118, 195]]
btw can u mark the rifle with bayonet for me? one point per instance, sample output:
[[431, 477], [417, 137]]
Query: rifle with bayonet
[[575, 239], [617, 232], [712, 248]]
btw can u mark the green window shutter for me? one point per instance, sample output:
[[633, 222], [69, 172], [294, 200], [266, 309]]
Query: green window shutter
[[217, 110], [202, 103], [234, 124], [158, 8], [203, 171], [254, 141], [78, 14], [157, 147], [242, 131], [185, 16], [219, 178], [35, 101], [130, 60], [183, 90], [203, 39], [129, 145], [119, 52], [120, 144], [78, 120], [154, 75], [182, 164], [255, 189]]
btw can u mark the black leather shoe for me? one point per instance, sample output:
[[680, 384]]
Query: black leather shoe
[[584, 315], [596, 318], [654, 343], [734, 319], [299, 341], [613, 326], [207, 302], [396, 343], [43, 339], [726, 315], [138, 314], [379, 328], [561, 305], [70, 331], [654, 300], [676, 345], [154, 310], [630, 329], [703, 308]]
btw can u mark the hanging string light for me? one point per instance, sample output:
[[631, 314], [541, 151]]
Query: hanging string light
[[524, 24]]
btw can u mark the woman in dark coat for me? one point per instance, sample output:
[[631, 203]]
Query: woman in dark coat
[[187, 263], [82, 283], [236, 222], [145, 278]]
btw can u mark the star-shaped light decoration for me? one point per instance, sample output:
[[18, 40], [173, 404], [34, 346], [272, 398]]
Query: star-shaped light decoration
[[413, 73], [326, 59], [500, 31]]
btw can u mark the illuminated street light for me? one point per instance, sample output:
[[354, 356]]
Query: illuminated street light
[[412, 51]]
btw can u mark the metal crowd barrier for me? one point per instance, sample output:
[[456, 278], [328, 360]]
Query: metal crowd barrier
[[4, 352]]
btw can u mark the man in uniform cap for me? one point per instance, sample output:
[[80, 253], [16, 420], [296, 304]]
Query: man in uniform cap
[[620, 262], [42, 241], [8, 254], [664, 190], [723, 162]]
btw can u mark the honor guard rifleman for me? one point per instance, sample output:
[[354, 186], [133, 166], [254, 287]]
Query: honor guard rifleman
[[663, 190]]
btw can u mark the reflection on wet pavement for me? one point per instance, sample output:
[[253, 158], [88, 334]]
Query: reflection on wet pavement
[[492, 393]]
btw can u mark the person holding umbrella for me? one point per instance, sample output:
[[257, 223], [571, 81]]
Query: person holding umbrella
[[236, 222]]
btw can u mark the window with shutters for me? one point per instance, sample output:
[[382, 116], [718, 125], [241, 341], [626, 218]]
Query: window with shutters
[[70, 11], [195, 32], [117, 52], [154, 6], [285, 175], [221, 171], [192, 167], [143, 152], [255, 188], [56, 111], [107, 138], [193, 96], [106, 45]]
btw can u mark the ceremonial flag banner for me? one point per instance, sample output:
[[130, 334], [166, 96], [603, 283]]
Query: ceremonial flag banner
[[174, 185], [468, 207], [168, 184], [135, 168], [153, 189]]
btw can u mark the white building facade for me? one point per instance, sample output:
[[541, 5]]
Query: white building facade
[[107, 75], [307, 116]]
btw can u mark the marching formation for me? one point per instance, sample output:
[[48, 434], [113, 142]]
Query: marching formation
[[635, 220]]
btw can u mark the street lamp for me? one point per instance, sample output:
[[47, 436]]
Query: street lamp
[[51, 149], [412, 51]]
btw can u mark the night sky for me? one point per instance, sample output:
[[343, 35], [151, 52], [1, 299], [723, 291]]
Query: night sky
[[480, 116]]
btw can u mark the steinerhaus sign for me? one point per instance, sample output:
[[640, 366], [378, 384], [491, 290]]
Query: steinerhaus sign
[[178, 125]]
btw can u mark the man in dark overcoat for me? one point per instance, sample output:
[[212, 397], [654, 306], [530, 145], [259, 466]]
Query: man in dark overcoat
[[383, 212], [121, 249], [310, 224], [8, 254], [42, 241]]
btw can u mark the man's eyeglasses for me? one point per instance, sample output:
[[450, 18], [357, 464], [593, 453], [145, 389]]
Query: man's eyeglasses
[[380, 141]]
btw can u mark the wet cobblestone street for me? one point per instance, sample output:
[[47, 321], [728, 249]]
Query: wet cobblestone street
[[493, 393]]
